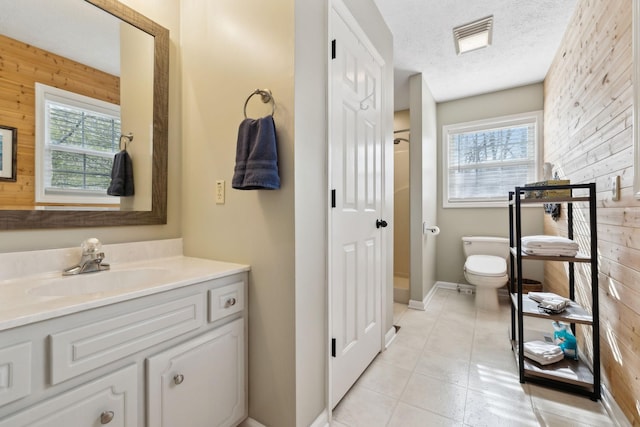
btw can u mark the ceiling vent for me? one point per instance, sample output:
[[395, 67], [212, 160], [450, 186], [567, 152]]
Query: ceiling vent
[[474, 35]]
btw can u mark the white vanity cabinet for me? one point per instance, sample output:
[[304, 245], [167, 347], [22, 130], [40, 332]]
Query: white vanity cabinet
[[168, 359]]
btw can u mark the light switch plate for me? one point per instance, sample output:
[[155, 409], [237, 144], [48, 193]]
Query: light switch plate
[[615, 188], [220, 192]]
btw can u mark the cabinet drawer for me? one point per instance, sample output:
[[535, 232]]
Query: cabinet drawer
[[226, 300], [15, 372], [82, 349], [108, 400]]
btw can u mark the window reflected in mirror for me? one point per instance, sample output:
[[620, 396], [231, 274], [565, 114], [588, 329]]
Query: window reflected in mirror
[[77, 138]]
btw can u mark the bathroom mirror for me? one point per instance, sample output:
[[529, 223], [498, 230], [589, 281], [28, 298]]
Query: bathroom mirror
[[153, 138]]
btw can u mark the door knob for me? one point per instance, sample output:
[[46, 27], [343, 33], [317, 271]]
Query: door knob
[[381, 223], [106, 417]]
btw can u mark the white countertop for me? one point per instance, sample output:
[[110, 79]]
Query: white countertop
[[22, 302]]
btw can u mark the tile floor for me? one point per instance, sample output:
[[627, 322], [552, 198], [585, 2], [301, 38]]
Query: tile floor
[[452, 365]]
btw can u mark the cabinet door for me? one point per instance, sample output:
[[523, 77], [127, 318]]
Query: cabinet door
[[15, 372], [111, 400], [200, 383]]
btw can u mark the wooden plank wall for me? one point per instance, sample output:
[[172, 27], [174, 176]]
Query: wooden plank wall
[[588, 137], [21, 66]]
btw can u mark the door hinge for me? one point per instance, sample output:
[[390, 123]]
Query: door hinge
[[333, 347], [333, 198], [333, 49]]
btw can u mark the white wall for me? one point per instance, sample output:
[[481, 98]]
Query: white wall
[[165, 13], [458, 222], [423, 163], [311, 196]]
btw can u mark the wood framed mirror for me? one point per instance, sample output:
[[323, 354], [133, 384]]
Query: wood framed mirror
[[39, 217]]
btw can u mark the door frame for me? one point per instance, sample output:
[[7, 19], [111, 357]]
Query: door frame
[[340, 8]]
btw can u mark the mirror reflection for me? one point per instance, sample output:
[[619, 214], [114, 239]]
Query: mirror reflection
[[77, 79]]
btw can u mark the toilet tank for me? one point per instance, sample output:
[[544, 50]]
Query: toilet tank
[[485, 245]]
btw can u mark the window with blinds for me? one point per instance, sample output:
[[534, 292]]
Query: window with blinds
[[77, 139], [484, 160]]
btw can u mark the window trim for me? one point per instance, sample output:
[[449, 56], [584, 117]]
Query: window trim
[[477, 125], [43, 194]]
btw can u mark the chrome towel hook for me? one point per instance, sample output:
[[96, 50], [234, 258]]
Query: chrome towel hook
[[265, 95], [127, 140]]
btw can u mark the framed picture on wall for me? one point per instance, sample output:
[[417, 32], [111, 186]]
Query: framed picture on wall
[[8, 153]]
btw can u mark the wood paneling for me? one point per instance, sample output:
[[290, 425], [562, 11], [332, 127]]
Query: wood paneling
[[21, 66], [589, 138]]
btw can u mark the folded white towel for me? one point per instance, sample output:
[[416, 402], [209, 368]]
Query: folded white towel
[[550, 251], [549, 246], [544, 360], [542, 349], [545, 241]]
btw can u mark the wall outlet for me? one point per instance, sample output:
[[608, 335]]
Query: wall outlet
[[615, 188], [220, 192]]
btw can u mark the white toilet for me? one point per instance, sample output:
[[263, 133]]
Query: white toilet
[[486, 267]]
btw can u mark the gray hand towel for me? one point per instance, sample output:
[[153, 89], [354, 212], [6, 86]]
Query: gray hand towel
[[121, 175], [256, 156]]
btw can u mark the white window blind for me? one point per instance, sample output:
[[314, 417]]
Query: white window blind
[[77, 140], [485, 160]]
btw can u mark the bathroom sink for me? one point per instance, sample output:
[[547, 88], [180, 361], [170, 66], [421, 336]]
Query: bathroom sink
[[102, 281]]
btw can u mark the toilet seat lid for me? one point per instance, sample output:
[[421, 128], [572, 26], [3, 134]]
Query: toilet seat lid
[[486, 265]]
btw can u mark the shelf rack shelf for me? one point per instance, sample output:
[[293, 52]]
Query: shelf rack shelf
[[569, 375], [574, 313]]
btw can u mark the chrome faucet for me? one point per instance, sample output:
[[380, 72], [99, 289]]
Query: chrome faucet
[[92, 259]]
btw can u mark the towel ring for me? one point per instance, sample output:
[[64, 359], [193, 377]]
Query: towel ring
[[127, 140], [265, 95]]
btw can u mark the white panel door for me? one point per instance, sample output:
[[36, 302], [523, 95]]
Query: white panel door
[[355, 230]]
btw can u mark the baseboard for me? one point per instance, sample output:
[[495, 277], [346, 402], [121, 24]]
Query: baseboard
[[447, 285], [250, 422], [417, 305], [322, 420], [389, 337], [422, 305], [613, 409]]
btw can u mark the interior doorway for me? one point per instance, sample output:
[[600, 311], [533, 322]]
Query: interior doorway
[[401, 208]]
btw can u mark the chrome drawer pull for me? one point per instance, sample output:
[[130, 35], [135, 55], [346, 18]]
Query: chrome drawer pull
[[177, 379], [106, 417], [230, 303]]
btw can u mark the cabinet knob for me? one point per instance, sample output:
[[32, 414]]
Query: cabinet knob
[[106, 417], [230, 302], [178, 378]]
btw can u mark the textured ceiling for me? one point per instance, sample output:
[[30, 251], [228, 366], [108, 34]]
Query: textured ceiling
[[526, 36], [74, 29]]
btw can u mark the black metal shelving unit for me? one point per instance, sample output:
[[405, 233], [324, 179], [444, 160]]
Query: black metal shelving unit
[[568, 375]]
